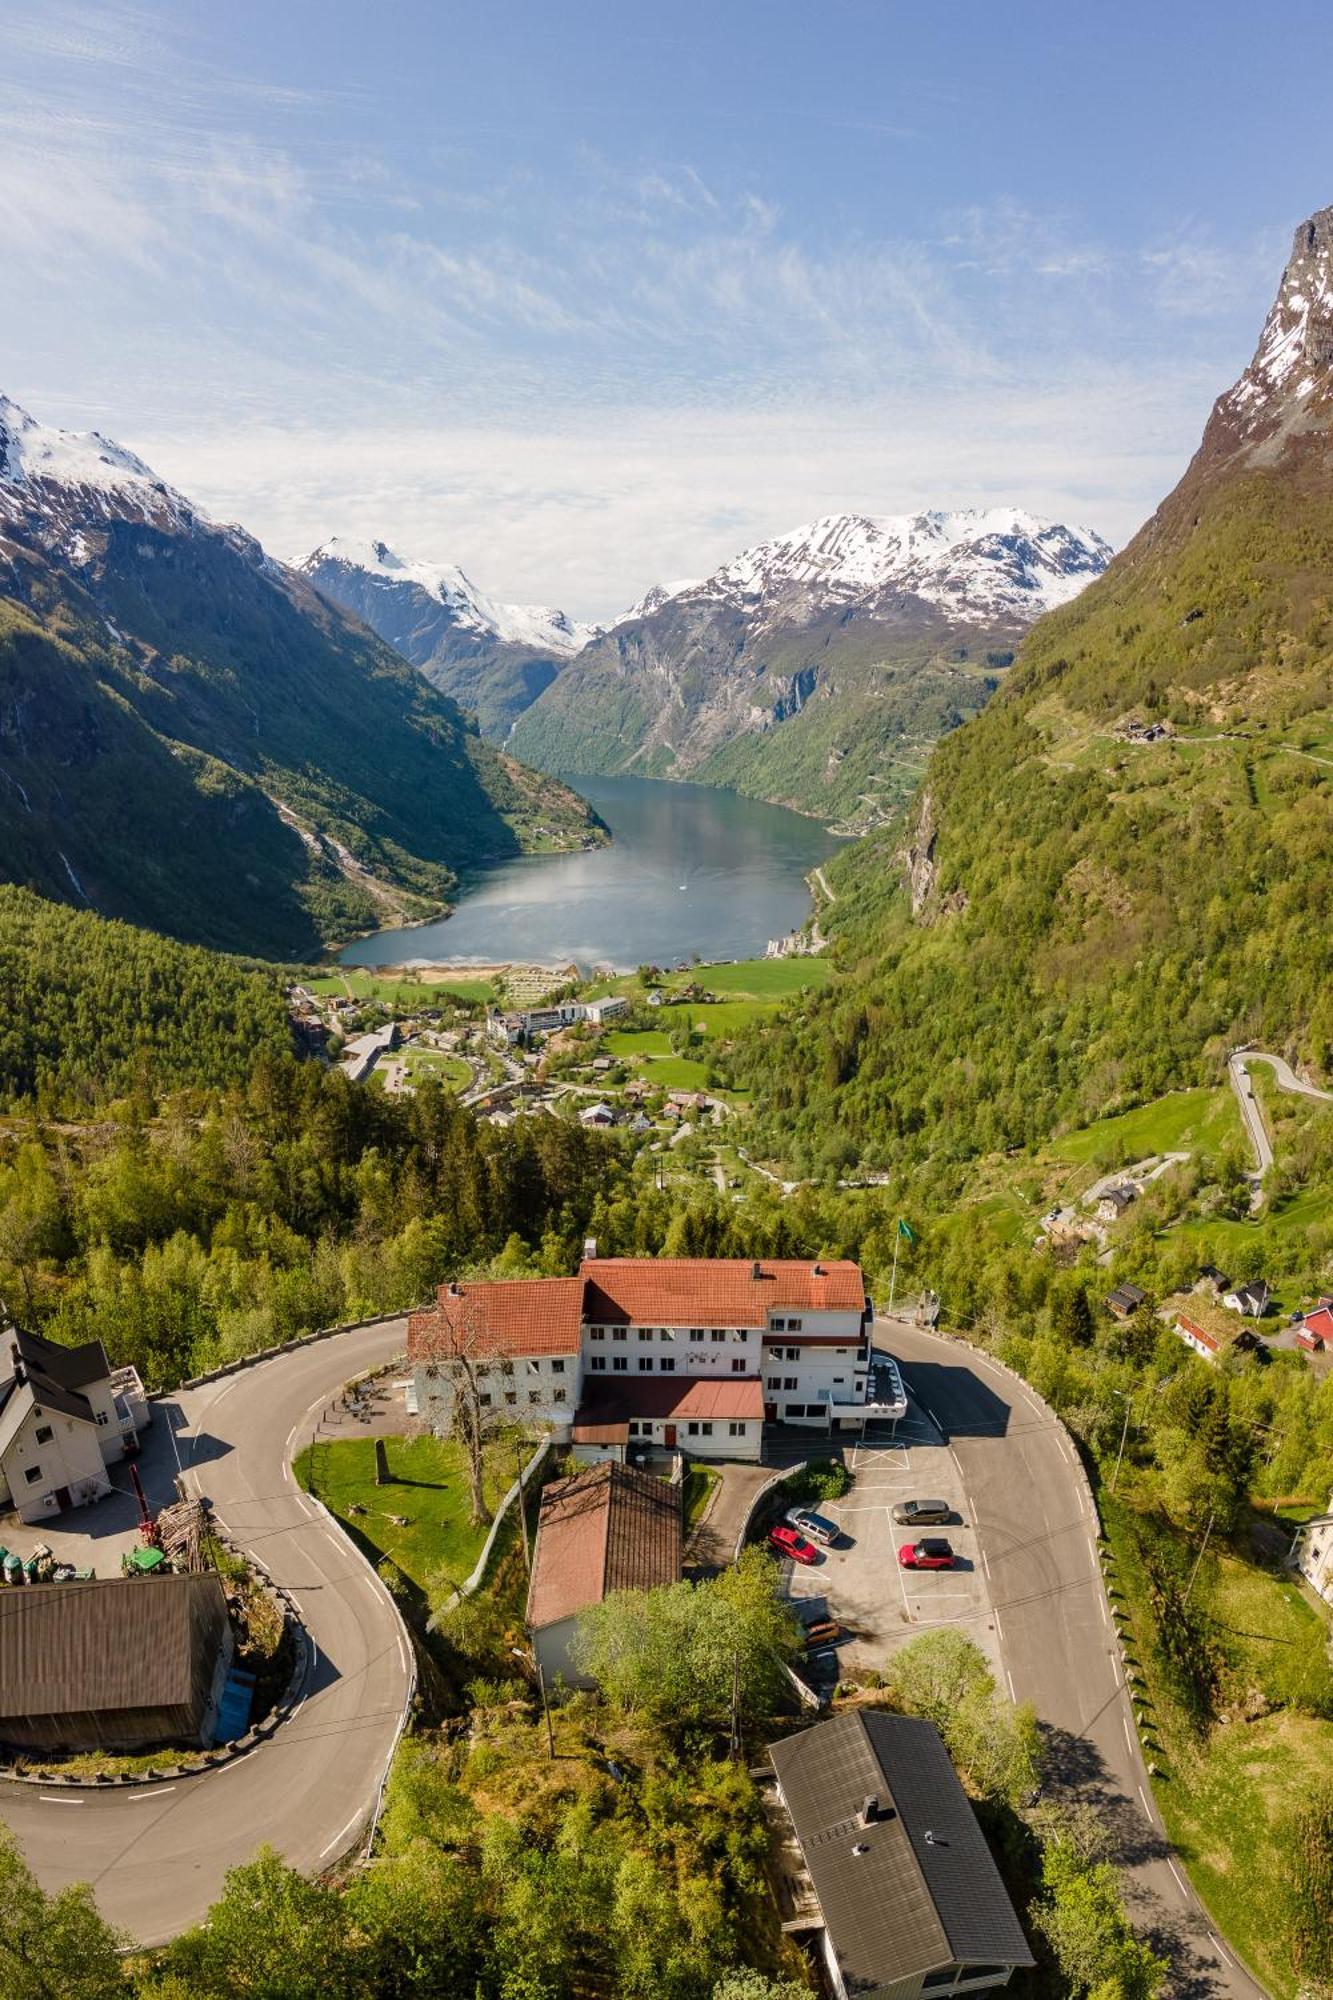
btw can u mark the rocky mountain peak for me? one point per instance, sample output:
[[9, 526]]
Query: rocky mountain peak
[[65, 474], [1288, 387]]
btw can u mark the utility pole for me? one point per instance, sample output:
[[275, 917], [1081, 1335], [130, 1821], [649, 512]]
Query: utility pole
[[1124, 1433], [735, 1706], [1198, 1559], [523, 1517], [546, 1708]]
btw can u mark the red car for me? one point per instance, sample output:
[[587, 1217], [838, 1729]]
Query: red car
[[788, 1543], [932, 1553]]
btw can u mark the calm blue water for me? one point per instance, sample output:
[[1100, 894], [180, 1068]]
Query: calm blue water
[[689, 869]]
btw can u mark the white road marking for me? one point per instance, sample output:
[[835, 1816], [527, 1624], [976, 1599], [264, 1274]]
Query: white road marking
[[986, 1562], [1009, 1677], [46, 1799], [1147, 1807], [359, 1814], [160, 1793], [1129, 1738], [1230, 1956], [1181, 1883]]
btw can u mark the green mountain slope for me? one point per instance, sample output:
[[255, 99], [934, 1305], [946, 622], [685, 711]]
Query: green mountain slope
[[193, 739], [1125, 864], [91, 1010]]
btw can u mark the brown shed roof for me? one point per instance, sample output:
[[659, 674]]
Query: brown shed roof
[[109, 1644], [609, 1528]]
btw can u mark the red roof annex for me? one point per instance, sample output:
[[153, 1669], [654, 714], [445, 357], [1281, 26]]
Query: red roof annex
[[508, 1316], [737, 1397]]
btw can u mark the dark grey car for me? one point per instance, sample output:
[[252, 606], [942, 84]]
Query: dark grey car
[[920, 1513]]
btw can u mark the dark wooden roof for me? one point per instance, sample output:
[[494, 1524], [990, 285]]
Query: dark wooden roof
[[923, 1892], [66, 1648], [57, 1374]]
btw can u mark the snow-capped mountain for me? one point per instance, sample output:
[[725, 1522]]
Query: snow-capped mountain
[[193, 738], [72, 476], [472, 611], [493, 657], [814, 667], [999, 563]]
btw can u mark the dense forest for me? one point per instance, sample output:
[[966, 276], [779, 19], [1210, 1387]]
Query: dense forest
[[92, 1010]]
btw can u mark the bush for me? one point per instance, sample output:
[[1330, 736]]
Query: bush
[[822, 1479]]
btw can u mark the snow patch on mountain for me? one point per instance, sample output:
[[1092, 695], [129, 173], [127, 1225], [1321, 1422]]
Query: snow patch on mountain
[[1294, 357], [976, 563], [40, 465], [540, 626]]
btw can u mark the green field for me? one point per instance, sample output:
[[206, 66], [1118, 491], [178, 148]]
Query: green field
[[1223, 1793], [409, 994], [428, 1488], [1185, 1121], [437, 1062], [759, 978]]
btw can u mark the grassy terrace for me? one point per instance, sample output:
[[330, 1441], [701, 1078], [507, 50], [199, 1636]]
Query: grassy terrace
[[407, 994], [1224, 1790], [428, 1489]]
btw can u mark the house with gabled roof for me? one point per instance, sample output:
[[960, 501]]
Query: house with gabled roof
[[65, 1415], [900, 1892], [608, 1528]]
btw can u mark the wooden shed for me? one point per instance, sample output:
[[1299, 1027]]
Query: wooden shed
[[120, 1664]]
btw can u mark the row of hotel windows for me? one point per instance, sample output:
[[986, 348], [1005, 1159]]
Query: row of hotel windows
[[485, 1397], [669, 1332], [648, 1363], [703, 1428]]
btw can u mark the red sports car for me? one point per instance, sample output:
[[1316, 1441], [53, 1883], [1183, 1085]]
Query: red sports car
[[932, 1553], [788, 1543]]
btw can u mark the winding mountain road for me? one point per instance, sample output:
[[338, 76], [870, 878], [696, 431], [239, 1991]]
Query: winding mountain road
[[156, 1855], [1032, 1513], [1251, 1110]]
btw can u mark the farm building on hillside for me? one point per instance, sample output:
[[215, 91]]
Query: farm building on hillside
[[609, 1528], [123, 1664], [1312, 1553]]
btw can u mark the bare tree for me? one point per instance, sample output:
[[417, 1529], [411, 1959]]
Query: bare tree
[[461, 1355]]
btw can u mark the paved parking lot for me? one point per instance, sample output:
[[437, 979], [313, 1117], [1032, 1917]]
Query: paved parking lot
[[881, 1605]]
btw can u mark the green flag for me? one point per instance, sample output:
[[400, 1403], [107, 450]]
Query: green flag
[[907, 1234]]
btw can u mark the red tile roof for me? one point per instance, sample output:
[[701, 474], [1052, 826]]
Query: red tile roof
[[714, 1291], [609, 1528], [508, 1316], [726, 1396], [1192, 1328], [1319, 1325]]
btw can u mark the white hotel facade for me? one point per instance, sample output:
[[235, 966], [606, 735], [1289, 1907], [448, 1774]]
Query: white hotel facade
[[694, 1354]]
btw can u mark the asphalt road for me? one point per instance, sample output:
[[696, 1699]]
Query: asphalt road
[[156, 1856], [1250, 1109], [1028, 1505]]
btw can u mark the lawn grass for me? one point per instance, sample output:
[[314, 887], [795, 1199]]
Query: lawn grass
[[696, 1491], [1223, 1794], [1184, 1121], [428, 1487], [437, 1062], [759, 978]]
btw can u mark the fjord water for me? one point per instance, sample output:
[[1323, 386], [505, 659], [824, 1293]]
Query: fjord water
[[689, 870]]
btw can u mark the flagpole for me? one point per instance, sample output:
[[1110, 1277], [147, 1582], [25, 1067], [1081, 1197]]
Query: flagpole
[[893, 1281]]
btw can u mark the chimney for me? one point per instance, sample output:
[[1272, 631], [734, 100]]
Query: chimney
[[819, 1270], [861, 1847], [20, 1372], [869, 1812], [589, 1248], [756, 1270], [455, 1290]]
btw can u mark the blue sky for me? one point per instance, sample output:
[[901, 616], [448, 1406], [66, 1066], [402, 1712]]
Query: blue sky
[[586, 296]]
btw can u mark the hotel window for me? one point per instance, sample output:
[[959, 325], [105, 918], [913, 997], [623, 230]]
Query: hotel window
[[794, 1325], [739, 1365], [718, 1333], [693, 1430], [645, 1364], [103, 1417], [511, 1395], [534, 1367], [645, 1333], [559, 1396], [485, 1399], [696, 1333], [778, 1325], [790, 1382], [666, 1333], [736, 1430], [839, 1379], [619, 1364], [706, 1429], [739, 1333], [798, 1410], [534, 1395], [618, 1333], [597, 1333], [597, 1361], [33, 1474], [668, 1364], [558, 1366], [43, 1435]]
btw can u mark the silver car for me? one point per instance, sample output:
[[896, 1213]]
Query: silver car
[[922, 1513]]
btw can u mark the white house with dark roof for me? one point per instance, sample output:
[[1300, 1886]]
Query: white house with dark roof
[[638, 1346], [1312, 1553], [65, 1415]]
